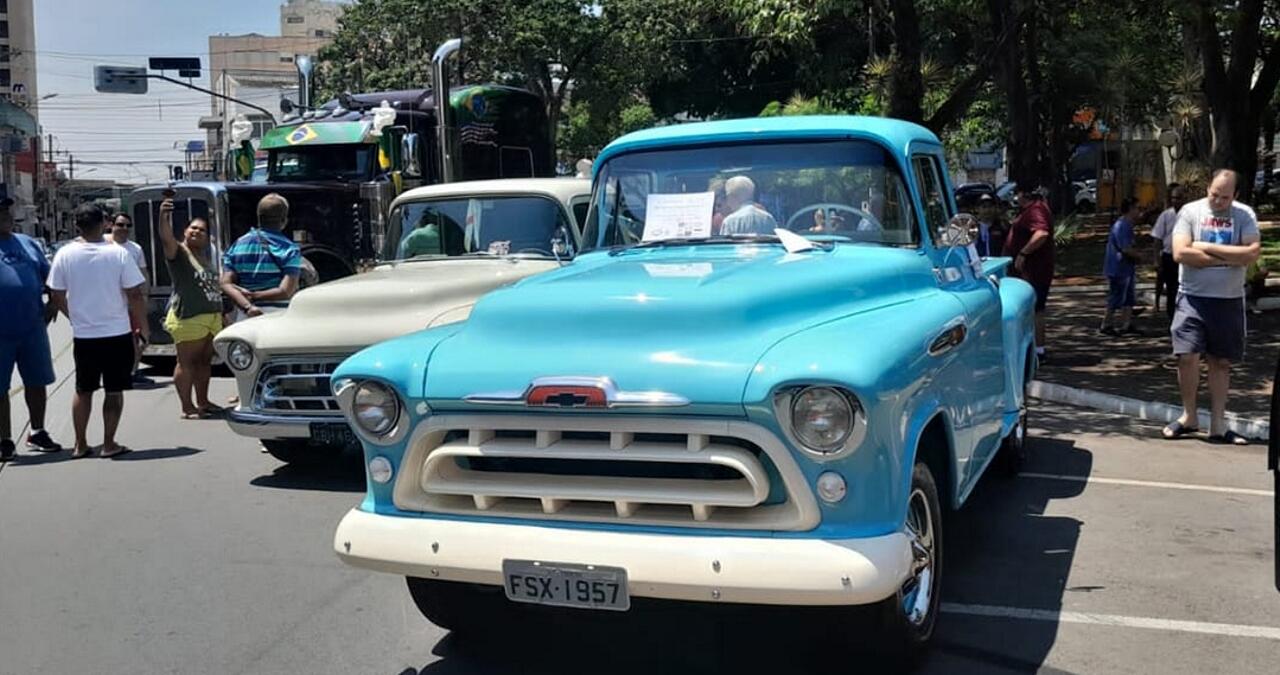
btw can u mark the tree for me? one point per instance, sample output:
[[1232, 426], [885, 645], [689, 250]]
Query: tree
[[1240, 76]]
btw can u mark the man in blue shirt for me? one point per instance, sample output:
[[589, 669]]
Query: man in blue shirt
[[24, 342], [262, 268], [1120, 266]]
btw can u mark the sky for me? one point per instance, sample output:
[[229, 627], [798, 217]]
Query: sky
[[72, 36]]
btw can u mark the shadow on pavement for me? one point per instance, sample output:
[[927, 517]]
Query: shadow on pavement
[[34, 459], [1002, 549], [1007, 551], [336, 475], [156, 453]]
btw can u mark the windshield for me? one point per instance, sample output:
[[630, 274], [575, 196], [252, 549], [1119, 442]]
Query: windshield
[[347, 161], [497, 225], [851, 190]]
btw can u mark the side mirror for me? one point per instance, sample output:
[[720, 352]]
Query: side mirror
[[560, 242], [960, 231], [410, 148]]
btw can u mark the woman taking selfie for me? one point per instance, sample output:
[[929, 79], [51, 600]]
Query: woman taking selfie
[[195, 310]]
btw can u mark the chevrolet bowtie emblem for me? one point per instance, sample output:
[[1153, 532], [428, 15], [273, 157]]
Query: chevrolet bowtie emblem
[[553, 396], [578, 392]]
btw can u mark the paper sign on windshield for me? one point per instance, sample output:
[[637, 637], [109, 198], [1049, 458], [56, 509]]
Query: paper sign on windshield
[[678, 216]]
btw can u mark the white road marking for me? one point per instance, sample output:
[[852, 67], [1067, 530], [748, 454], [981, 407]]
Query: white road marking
[[1226, 629], [1149, 483]]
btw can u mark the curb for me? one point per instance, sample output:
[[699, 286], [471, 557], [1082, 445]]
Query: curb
[[1145, 410]]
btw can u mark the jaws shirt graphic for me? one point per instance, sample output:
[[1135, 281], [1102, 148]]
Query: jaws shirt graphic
[[1200, 223]]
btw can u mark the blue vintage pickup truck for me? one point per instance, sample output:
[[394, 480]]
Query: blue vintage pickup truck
[[778, 366]]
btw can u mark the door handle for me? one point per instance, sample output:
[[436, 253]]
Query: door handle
[[949, 339]]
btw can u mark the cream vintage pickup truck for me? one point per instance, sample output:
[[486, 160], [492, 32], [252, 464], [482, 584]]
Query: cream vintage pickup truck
[[446, 246]]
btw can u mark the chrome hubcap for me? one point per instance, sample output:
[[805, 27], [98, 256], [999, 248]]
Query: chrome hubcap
[[917, 592]]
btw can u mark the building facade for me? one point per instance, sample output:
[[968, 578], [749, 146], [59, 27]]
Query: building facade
[[19, 123], [259, 69]]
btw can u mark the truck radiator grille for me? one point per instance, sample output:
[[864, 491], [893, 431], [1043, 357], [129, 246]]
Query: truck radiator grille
[[625, 476], [297, 387]]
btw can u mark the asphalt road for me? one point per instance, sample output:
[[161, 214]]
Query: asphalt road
[[197, 553]]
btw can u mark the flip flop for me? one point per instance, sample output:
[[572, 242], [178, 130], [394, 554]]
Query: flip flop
[[81, 455], [1229, 438], [213, 409], [1177, 430], [197, 415], [120, 450]]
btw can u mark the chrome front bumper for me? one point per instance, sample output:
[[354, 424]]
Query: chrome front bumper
[[755, 570], [256, 425]]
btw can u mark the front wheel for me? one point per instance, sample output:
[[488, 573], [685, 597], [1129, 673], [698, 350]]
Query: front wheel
[[908, 616]]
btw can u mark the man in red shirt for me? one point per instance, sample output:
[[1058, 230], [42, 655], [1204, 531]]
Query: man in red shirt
[[1030, 243]]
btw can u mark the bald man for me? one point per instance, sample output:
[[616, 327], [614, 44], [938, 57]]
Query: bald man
[[744, 216], [1214, 240]]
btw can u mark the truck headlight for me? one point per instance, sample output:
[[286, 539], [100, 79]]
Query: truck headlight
[[239, 355], [375, 408], [822, 418]]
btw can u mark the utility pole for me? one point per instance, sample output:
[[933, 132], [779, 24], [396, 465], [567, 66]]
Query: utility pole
[[71, 167]]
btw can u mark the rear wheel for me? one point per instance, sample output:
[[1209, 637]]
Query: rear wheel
[[908, 616]]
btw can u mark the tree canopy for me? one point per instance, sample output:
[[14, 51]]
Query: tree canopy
[[977, 72]]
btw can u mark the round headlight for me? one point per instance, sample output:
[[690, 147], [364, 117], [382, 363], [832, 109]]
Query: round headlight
[[239, 355], [822, 418], [375, 408]]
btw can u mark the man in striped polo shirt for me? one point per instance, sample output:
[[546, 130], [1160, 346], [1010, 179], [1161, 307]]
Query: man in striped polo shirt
[[262, 268]]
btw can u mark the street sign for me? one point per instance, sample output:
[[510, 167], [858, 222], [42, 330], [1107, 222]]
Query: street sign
[[189, 73], [168, 63], [120, 80]]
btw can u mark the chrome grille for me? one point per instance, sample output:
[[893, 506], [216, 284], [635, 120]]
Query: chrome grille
[[624, 469], [297, 386]]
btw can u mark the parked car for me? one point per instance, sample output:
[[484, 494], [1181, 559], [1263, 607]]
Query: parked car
[[779, 418], [449, 244], [1086, 195], [968, 194]]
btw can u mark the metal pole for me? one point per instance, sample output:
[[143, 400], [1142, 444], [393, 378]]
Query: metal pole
[[210, 92], [1273, 463]]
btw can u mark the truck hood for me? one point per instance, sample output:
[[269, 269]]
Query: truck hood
[[349, 314], [689, 321]]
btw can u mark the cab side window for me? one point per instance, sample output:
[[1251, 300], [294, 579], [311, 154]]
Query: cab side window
[[932, 192]]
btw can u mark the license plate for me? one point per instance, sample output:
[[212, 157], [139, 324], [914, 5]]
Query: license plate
[[328, 433], [566, 585]]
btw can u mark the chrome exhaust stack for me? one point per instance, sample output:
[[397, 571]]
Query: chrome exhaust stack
[[445, 122]]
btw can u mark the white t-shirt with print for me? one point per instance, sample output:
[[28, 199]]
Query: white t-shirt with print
[[95, 276], [1231, 227]]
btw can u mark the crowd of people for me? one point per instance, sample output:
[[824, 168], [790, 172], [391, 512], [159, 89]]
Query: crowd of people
[[1207, 252], [99, 281]]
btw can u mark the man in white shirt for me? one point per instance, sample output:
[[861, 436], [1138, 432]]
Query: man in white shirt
[[1162, 232], [121, 226], [744, 216], [99, 287]]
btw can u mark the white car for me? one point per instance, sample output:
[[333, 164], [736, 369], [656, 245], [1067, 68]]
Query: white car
[[447, 245]]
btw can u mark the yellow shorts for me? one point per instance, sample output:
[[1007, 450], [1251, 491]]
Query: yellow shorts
[[195, 328]]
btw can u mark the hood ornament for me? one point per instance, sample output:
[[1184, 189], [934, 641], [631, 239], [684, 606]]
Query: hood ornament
[[578, 392]]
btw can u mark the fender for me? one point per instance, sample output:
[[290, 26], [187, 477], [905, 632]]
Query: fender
[[924, 412]]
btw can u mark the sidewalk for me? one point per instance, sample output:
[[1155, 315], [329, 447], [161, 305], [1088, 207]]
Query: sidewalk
[[1143, 367]]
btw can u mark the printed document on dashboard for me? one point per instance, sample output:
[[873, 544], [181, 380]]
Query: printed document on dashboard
[[678, 216]]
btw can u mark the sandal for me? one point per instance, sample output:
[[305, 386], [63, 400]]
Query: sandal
[[212, 409], [1229, 438], [1177, 430], [120, 450], [76, 454], [195, 415]]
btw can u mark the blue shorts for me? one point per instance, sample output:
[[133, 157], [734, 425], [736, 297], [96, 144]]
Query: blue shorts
[[1121, 292], [30, 353], [1213, 326]]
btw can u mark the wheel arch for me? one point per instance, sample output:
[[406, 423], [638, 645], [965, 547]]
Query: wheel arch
[[934, 444]]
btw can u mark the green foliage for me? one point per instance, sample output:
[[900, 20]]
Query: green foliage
[[799, 105]]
